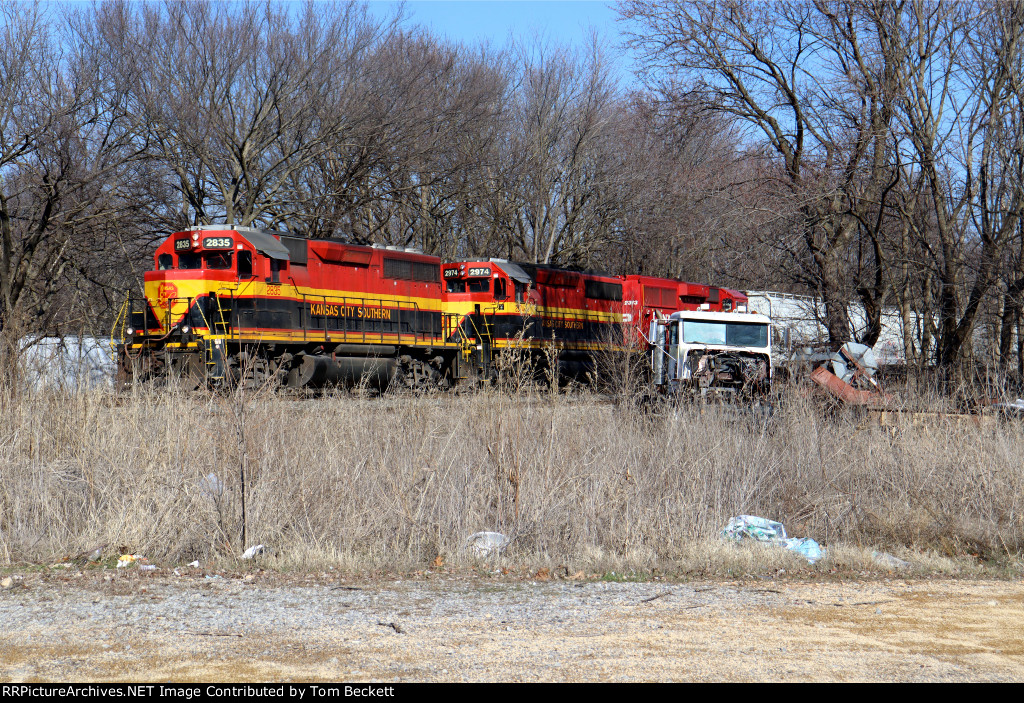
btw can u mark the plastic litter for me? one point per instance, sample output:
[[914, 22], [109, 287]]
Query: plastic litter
[[193, 564], [889, 560], [147, 567], [126, 560], [805, 547], [252, 552], [484, 544], [751, 526], [211, 486], [770, 532]]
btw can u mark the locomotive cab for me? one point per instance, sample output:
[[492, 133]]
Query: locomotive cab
[[483, 284], [234, 304], [477, 290], [193, 268]]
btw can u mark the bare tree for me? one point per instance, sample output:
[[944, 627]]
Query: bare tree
[[681, 189], [972, 163], [65, 146], [560, 127], [815, 81], [235, 99]]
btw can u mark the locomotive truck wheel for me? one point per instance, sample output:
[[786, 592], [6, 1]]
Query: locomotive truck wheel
[[255, 373], [417, 376]]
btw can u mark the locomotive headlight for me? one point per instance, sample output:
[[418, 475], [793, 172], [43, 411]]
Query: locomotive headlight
[[130, 331], [186, 329]]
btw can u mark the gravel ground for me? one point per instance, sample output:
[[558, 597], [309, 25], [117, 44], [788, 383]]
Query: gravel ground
[[114, 626]]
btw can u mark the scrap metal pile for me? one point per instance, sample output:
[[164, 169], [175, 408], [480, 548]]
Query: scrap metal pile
[[849, 374]]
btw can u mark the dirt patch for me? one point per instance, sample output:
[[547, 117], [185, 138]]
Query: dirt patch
[[226, 629]]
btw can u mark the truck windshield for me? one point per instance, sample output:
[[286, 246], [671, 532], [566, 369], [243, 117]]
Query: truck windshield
[[733, 334]]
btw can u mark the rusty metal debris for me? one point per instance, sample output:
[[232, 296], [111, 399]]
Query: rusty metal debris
[[848, 374]]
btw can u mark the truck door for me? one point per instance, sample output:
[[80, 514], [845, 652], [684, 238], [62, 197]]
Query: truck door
[[657, 341], [664, 350], [672, 351]]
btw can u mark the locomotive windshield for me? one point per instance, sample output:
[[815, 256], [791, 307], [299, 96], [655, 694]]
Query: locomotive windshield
[[473, 285], [216, 260], [738, 334], [188, 260]]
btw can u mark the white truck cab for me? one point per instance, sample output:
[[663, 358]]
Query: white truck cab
[[712, 352]]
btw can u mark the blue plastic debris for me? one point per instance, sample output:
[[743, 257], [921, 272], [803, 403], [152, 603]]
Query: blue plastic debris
[[805, 547], [770, 532]]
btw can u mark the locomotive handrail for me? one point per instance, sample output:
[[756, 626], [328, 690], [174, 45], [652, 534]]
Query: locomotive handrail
[[476, 330], [119, 319], [401, 307], [202, 316]]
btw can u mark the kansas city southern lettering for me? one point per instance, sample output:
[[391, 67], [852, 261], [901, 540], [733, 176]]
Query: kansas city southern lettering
[[564, 324], [325, 310]]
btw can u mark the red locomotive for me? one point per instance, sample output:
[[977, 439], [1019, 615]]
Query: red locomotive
[[239, 305], [645, 297]]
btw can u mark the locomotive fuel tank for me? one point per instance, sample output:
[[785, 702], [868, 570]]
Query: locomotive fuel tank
[[318, 370]]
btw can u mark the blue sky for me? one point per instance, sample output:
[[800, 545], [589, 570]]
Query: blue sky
[[495, 22]]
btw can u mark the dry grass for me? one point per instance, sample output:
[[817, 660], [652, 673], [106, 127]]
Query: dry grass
[[394, 482]]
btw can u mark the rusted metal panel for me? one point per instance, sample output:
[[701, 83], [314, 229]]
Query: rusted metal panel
[[842, 390]]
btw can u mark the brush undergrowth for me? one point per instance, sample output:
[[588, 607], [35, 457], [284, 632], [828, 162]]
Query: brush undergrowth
[[396, 482]]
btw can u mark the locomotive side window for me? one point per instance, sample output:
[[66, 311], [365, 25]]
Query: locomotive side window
[[520, 291], [275, 271], [245, 264], [479, 285], [165, 262], [188, 260], [455, 286], [499, 289]]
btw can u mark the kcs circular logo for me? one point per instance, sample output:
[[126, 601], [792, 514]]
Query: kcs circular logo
[[166, 291]]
